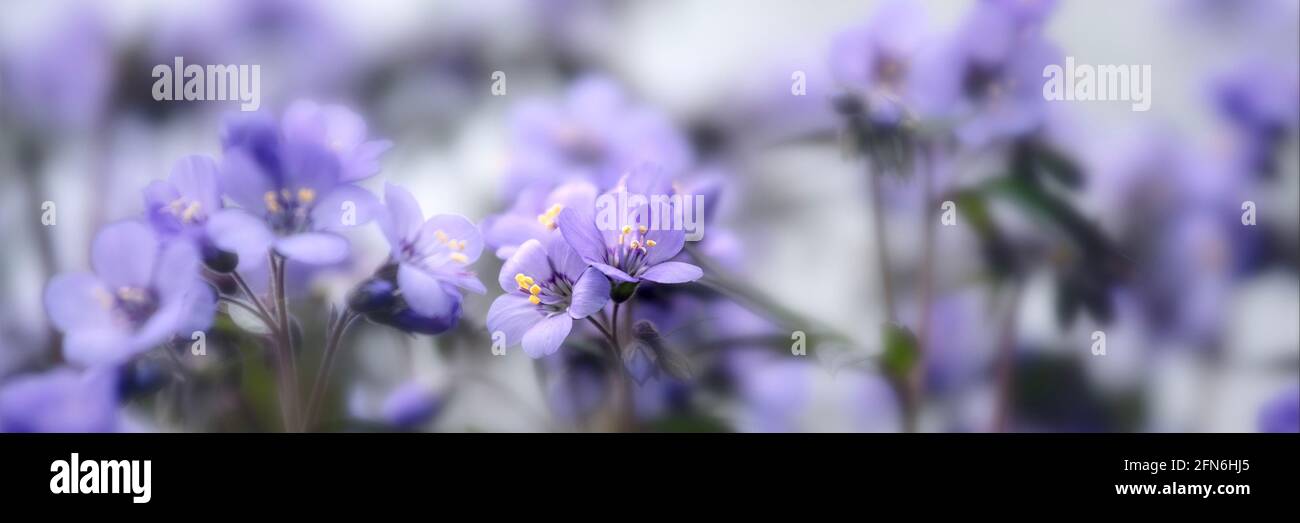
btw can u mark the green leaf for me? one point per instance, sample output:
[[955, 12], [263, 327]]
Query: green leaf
[[900, 354]]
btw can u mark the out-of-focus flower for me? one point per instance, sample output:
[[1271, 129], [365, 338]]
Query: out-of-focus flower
[[1262, 104], [774, 391], [1282, 413], [291, 189], [873, 60], [987, 75], [141, 293], [411, 404], [340, 130], [180, 205], [432, 256], [636, 244], [535, 215], [595, 134], [61, 400], [62, 78], [547, 287]]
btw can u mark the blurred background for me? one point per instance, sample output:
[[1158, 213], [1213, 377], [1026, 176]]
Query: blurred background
[[986, 321]]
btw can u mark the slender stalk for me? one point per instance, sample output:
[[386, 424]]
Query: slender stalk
[[881, 238], [284, 345], [261, 307], [332, 341], [1006, 361], [916, 376]]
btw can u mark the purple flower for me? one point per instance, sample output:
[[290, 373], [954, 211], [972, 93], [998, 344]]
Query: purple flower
[[432, 256], [411, 404], [142, 292], [988, 74], [547, 287], [292, 189], [60, 400], [339, 130], [1282, 413], [535, 215], [179, 207], [595, 134], [635, 242], [1261, 102], [875, 59]]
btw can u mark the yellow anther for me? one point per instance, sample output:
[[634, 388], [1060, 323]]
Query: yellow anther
[[649, 243], [190, 212], [642, 229], [535, 289], [620, 239], [441, 236], [272, 203], [306, 195], [548, 218], [459, 257], [627, 229], [534, 299], [635, 245]]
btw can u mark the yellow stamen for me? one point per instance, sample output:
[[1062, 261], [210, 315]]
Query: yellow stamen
[[643, 229], [306, 195], [535, 290], [190, 212], [649, 243], [534, 299], [459, 257], [548, 218], [441, 236], [635, 245], [627, 229], [272, 204]]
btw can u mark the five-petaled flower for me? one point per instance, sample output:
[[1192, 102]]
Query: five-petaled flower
[[141, 293], [547, 287]]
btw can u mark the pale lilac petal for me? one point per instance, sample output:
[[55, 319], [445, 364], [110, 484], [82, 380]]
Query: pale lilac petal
[[364, 160], [564, 259], [78, 301], [547, 336], [672, 272], [423, 292], [195, 177], [507, 231], [512, 315], [313, 248], [590, 294], [123, 254], [582, 235], [168, 321], [236, 231], [667, 244], [244, 181], [345, 206], [177, 269], [455, 228], [613, 272], [95, 347], [530, 260], [405, 216]]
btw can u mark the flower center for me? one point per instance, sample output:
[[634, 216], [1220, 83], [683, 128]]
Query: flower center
[[288, 210], [188, 211], [134, 305], [630, 252], [549, 296]]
